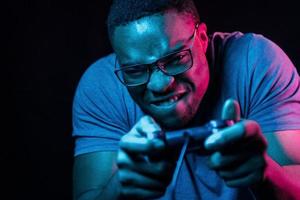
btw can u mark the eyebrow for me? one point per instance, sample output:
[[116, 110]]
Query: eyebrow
[[179, 48]]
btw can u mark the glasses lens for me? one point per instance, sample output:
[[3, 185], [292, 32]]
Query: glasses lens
[[134, 75], [178, 63], [172, 65]]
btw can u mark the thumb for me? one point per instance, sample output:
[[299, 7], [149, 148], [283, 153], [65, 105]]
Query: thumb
[[231, 110]]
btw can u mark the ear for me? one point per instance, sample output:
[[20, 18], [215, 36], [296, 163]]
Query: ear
[[202, 29]]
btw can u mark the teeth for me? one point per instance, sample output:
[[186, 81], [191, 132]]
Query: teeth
[[169, 101], [175, 98]]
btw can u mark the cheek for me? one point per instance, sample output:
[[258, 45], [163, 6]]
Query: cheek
[[199, 79], [136, 93], [202, 80], [199, 75]]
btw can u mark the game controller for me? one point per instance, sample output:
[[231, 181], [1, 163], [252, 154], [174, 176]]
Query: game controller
[[195, 134]]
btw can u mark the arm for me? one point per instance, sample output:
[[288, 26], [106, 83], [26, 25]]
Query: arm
[[99, 121], [126, 173], [240, 156], [282, 173], [95, 176]]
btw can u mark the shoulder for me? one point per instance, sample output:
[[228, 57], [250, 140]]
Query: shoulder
[[254, 70], [247, 49], [98, 87], [99, 70], [99, 79], [101, 99], [254, 58], [258, 49], [104, 63], [236, 40]]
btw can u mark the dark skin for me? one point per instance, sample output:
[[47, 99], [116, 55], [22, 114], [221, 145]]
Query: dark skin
[[140, 176], [146, 41], [149, 39], [238, 166], [239, 153]]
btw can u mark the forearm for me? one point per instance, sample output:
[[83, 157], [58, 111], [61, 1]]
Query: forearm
[[109, 191], [95, 176], [280, 182]]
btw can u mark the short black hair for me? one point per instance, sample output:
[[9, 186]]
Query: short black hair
[[123, 12]]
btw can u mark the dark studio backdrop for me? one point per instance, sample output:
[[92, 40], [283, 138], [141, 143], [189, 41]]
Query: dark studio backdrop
[[50, 43]]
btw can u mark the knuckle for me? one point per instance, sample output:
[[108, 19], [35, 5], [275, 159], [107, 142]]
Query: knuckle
[[259, 161], [254, 178], [161, 167], [147, 119], [126, 192], [216, 159], [120, 156], [125, 138], [124, 177], [230, 183], [122, 159], [121, 175], [147, 124], [251, 127]]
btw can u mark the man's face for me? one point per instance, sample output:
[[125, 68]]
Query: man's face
[[171, 100]]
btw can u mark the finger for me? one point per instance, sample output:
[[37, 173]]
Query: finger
[[252, 164], [132, 178], [246, 181], [246, 131], [131, 161], [145, 127], [231, 110], [142, 145], [133, 193], [225, 137], [161, 170], [148, 127], [219, 161], [141, 138]]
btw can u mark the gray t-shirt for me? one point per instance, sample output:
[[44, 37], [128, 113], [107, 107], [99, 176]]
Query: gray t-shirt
[[246, 67]]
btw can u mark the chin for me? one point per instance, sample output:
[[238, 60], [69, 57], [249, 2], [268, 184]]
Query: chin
[[174, 121], [172, 124]]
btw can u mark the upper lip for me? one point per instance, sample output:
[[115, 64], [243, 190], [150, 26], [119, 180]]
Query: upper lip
[[167, 97]]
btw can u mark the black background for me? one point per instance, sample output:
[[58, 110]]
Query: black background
[[48, 45]]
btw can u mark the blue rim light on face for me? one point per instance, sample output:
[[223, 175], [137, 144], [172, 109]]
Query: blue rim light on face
[[140, 74]]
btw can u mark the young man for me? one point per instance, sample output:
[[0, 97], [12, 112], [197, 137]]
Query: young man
[[173, 76]]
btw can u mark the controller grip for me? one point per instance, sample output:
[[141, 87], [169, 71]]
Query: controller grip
[[195, 134]]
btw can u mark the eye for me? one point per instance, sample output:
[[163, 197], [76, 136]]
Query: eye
[[132, 71], [135, 71], [178, 59]]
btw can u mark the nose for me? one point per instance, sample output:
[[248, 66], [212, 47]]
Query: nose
[[160, 82]]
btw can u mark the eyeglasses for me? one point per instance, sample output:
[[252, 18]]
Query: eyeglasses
[[171, 65]]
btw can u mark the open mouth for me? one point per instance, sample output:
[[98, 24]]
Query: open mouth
[[169, 101]]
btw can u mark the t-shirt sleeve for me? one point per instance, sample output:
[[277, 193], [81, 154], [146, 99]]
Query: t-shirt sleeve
[[274, 92], [260, 76], [102, 109]]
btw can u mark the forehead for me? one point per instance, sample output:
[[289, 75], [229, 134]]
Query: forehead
[[151, 37]]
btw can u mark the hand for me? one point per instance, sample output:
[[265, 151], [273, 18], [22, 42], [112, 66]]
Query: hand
[[239, 151], [145, 170]]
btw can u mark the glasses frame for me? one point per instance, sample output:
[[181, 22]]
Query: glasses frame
[[158, 63]]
